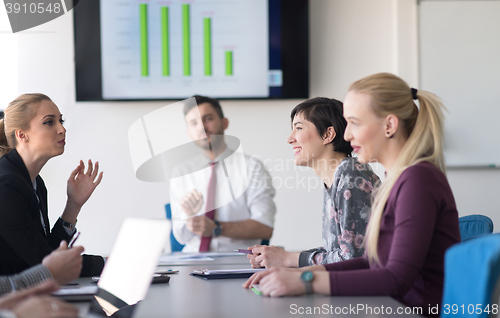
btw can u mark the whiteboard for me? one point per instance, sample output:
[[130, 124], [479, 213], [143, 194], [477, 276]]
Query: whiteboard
[[460, 62]]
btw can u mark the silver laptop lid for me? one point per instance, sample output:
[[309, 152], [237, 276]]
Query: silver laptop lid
[[132, 262]]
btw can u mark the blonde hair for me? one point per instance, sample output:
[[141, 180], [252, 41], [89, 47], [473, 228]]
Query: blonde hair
[[424, 130], [18, 115]]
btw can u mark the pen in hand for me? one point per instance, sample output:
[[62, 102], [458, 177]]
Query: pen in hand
[[256, 289], [73, 239], [243, 251]]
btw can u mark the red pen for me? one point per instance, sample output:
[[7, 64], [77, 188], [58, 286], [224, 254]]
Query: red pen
[[244, 251]]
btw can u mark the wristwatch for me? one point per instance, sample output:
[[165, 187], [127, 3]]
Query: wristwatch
[[70, 226], [217, 230], [307, 278]]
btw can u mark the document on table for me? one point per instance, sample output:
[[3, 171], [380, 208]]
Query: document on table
[[214, 254], [179, 258], [194, 256]]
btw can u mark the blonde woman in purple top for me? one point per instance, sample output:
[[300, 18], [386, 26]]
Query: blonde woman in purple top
[[414, 218]]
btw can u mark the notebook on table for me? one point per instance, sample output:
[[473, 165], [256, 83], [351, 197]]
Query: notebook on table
[[128, 272], [225, 273]]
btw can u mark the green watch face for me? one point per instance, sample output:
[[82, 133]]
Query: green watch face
[[307, 276]]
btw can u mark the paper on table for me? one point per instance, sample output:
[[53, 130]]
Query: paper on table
[[174, 258], [217, 254], [195, 256]]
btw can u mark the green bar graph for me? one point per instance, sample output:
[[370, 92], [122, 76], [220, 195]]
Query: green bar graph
[[164, 41], [207, 28], [229, 62], [144, 39], [186, 40]]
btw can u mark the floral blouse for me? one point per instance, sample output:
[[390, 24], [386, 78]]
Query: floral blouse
[[346, 210]]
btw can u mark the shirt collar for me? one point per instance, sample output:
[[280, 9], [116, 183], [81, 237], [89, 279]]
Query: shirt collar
[[226, 153]]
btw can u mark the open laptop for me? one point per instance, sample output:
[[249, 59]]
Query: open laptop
[[128, 272]]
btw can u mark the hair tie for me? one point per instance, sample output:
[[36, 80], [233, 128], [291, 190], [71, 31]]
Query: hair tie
[[414, 93]]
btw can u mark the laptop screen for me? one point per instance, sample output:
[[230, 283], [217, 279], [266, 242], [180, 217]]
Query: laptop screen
[[128, 272]]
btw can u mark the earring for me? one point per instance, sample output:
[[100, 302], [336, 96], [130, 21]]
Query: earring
[[388, 133]]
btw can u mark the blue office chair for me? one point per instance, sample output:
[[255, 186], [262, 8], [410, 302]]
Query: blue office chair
[[476, 225], [174, 244], [471, 276]]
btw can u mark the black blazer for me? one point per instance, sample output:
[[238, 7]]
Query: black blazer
[[23, 242]]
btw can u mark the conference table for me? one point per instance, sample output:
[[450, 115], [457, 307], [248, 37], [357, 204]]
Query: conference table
[[189, 296]]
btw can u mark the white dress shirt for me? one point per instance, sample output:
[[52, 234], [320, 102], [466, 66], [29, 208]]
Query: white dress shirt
[[244, 191]]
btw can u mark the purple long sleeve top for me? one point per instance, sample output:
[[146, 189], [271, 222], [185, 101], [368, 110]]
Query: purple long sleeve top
[[419, 223]]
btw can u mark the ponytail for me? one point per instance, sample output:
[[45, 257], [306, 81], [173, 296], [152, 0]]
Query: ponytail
[[424, 129], [4, 145]]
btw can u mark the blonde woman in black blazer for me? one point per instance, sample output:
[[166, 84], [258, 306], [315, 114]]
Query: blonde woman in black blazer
[[31, 133]]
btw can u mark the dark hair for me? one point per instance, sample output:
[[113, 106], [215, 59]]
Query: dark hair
[[323, 113], [201, 100]]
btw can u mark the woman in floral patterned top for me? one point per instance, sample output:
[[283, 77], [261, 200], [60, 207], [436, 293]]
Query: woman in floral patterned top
[[346, 208], [318, 142]]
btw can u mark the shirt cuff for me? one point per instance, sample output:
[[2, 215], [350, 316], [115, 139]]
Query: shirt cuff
[[35, 275], [7, 314], [70, 232]]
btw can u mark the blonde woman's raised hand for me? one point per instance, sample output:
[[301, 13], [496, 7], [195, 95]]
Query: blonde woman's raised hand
[[81, 183]]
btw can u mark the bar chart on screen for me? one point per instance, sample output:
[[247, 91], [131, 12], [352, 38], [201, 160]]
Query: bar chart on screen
[[177, 48]]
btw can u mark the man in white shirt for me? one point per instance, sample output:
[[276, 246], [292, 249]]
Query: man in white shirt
[[243, 200]]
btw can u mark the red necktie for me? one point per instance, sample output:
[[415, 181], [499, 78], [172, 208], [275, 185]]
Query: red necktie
[[210, 207]]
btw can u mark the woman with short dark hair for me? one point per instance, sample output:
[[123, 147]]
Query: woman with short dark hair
[[318, 142]]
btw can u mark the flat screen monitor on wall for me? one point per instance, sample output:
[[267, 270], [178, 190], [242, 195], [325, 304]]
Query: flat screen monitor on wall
[[161, 50]]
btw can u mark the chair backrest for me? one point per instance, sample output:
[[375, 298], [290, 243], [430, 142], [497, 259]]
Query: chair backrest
[[174, 244], [472, 270], [476, 225]]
